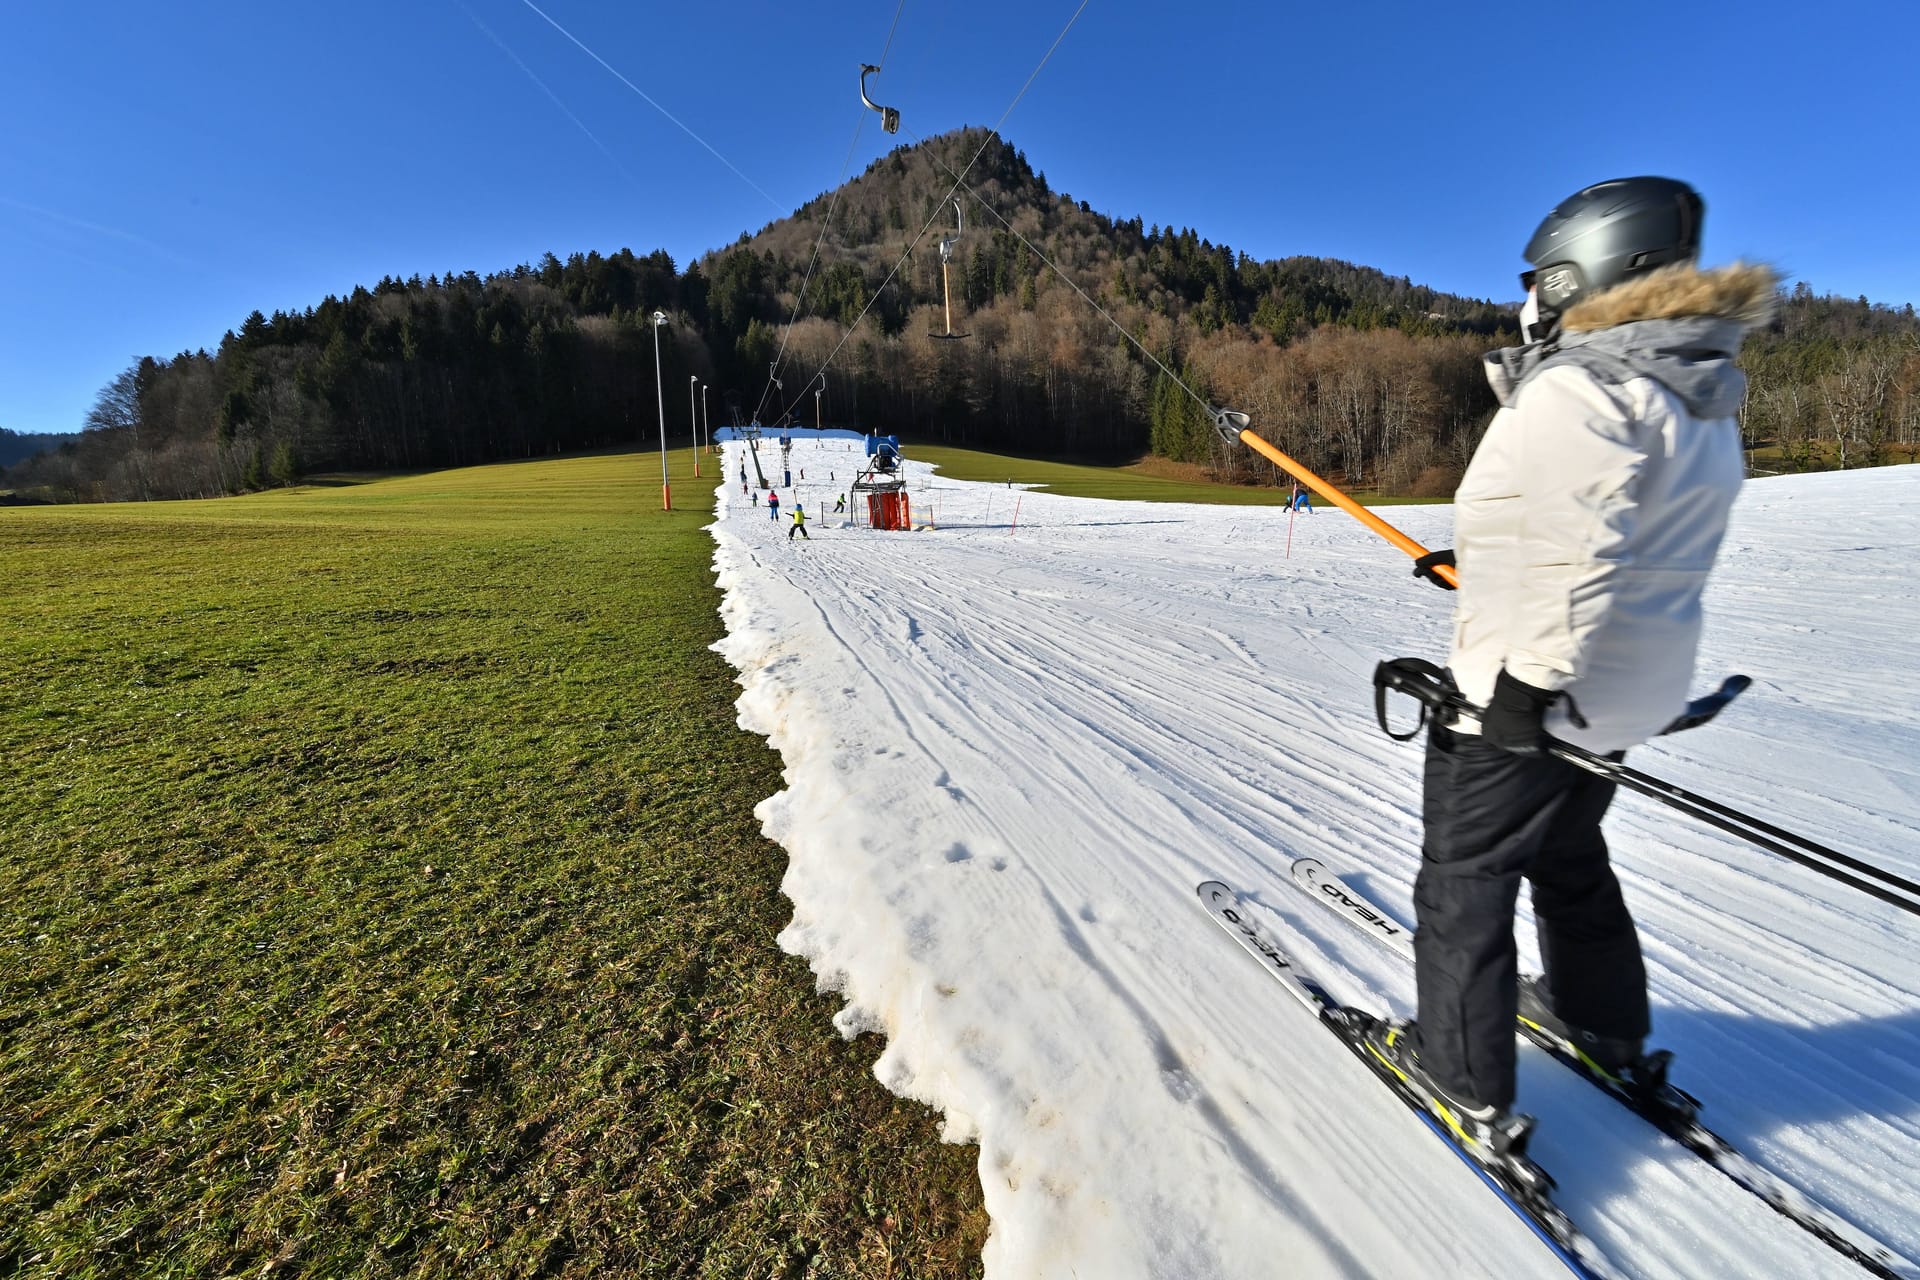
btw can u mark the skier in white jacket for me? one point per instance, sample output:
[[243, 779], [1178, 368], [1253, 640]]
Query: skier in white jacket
[[1585, 527]]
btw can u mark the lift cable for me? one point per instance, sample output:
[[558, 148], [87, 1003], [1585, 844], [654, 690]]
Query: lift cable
[[888, 47], [1232, 425], [1072, 284], [940, 206], [800, 300]]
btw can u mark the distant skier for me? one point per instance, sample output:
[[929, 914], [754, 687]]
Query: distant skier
[[1586, 525], [839, 504], [773, 506], [1301, 501], [799, 525]]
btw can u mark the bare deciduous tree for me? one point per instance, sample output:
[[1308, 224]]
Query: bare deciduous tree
[[116, 410], [1857, 403]]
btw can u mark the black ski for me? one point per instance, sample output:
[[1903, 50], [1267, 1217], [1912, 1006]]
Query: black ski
[[1521, 1184], [1668, 1109]]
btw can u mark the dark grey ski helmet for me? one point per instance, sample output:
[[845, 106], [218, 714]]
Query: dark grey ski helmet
[[1606, 233]]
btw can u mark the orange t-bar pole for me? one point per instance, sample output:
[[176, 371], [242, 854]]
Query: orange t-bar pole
[[1227, 420]]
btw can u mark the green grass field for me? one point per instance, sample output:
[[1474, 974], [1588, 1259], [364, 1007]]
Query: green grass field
[[382, 897], [1137, 482]]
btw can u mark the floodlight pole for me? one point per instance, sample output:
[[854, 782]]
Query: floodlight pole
[[706, 424], [660, 395], [693, 380]]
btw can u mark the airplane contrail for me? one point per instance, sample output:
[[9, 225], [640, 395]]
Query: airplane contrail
[[54, 215], [554, 97], [655, 105]]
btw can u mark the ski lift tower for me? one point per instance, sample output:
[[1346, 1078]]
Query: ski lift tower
[[751, 434], [888, 506], [947, 244], [786, 460]]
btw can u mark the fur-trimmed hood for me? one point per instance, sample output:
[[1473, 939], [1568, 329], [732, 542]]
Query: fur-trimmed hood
[[1680, 326], [1743, 292]]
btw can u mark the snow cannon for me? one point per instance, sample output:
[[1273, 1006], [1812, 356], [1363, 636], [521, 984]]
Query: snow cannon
[[885, 488], [885, 452]]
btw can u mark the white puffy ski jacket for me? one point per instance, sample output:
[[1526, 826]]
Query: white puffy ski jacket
[[1591, 513]]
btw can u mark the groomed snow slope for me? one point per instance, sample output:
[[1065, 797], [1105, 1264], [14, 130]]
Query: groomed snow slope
[[1010, 754]]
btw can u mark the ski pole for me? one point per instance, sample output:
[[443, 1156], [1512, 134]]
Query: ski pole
[[1433, 689], [1237, 428], [1752, 829]]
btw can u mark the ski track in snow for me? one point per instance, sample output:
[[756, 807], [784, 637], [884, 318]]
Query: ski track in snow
[[1010, 754]]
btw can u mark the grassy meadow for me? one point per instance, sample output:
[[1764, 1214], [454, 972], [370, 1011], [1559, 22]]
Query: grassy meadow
[[1149, 480], [381, 896]]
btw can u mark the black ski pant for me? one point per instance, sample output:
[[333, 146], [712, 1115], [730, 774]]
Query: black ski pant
[[1493, 817]]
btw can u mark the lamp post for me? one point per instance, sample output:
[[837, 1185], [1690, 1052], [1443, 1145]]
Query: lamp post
[[706, 424], [693, 380], [666, 489]]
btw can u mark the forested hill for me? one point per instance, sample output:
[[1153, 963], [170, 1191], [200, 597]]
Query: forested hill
[[1362, 375], [1041, 369], [16, 446]]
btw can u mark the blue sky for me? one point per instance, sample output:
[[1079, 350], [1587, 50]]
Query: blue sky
[[167, 169]]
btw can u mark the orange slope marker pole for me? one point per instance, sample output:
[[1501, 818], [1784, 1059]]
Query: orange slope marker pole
[[1236, 427]]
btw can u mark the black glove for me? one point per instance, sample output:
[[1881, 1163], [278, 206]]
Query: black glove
[[1423, 567], [1512, 718]]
